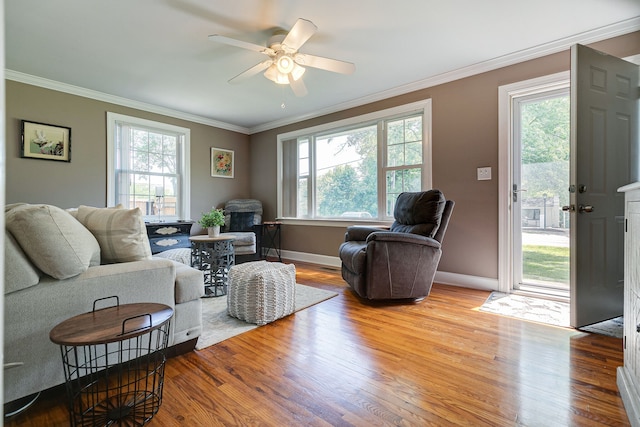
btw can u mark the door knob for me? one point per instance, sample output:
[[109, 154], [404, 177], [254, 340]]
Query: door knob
[[585, 208], [570, 208], [516, 191]]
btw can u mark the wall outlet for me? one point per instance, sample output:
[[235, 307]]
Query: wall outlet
[[484, 174]]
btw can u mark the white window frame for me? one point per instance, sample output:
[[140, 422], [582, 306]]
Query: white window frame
[[184, 202], [423, 107]]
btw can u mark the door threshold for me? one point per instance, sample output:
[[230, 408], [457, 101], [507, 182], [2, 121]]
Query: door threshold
[[553, 294]]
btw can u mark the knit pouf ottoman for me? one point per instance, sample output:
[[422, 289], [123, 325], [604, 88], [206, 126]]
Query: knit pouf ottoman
[[260, 292]]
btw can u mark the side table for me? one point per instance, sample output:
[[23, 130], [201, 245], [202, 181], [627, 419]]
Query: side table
[[214, 256], [113, 361], [271, 238]]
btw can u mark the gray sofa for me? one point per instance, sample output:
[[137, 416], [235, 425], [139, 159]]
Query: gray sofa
[[57, 263]]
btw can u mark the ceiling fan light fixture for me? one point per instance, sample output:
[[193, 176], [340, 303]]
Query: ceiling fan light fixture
[[276, 76], [285, 63], [273, 74]]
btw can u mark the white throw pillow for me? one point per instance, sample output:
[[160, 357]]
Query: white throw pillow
[[19, 273], [53, 240], [121, 233]]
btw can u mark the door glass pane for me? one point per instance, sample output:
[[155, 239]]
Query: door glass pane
[[544, 183]]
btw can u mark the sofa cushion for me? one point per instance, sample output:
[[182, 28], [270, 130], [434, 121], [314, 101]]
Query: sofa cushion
[[181, 255], [244, 243], [19, 273], [189, 283], [53, 240], [243, 238], [121, 233]]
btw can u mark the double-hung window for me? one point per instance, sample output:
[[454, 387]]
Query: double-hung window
[[148, 167], [355, 168]]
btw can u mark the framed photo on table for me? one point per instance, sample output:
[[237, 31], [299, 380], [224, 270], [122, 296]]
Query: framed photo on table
[[222, 163], [47, 142]]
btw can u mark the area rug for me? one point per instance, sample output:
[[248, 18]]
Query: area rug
[[218, 326], [612, 328], [534, 309], [545, 311]]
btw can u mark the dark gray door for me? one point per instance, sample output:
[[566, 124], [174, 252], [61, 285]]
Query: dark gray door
[[604, 145]]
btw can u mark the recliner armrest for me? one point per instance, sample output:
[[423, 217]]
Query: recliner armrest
[[359, 232], [389, 236]]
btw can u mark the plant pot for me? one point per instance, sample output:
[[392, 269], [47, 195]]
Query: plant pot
[[213, 231]]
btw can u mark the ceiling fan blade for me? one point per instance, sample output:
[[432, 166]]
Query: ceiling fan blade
[[298, 86], [252, 71], [242, 44], [301, 31], [328, 64]]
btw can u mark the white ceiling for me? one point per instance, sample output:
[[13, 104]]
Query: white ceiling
[[156, 52]]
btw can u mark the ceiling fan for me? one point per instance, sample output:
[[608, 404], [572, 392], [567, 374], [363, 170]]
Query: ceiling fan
[[286, 64]]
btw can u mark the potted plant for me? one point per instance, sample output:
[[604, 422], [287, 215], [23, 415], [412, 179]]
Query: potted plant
[[212, 221]]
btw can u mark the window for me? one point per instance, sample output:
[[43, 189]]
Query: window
[[403, 168], [355, 168], [148, 164]]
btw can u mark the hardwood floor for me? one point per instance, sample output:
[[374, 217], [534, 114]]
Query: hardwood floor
[[344, 362]]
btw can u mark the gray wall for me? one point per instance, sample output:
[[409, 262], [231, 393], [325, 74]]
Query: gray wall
[[84, 180], [465, 136]]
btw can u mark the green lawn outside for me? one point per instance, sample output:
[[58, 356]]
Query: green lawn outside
[[546, 263]]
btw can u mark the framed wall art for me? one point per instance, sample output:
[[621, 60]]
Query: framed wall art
[[47, 142], [222, 163]]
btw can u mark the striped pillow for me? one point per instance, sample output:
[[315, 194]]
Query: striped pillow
[[121, 233]]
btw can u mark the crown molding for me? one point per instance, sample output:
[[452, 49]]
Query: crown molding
[[112, 99], [592, 36]]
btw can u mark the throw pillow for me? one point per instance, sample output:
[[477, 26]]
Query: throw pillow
[[53, 240], [19, 273], [241, 221], [121, 233]]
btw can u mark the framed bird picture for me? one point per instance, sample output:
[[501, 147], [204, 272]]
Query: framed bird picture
[[47, 142]]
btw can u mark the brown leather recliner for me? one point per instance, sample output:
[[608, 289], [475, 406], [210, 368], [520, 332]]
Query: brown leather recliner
[[399, 263]]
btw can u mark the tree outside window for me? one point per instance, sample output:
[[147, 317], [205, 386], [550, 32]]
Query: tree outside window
[[353, 172]]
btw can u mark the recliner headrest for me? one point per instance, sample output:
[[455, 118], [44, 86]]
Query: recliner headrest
[[419, 212]]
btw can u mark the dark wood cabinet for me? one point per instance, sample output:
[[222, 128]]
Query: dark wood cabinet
[[168, 235]]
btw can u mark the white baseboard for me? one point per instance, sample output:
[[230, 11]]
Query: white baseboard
[[454, 279], [466, 281], [331, 261]]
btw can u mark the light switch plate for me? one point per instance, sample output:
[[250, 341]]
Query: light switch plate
[[484, 174]]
